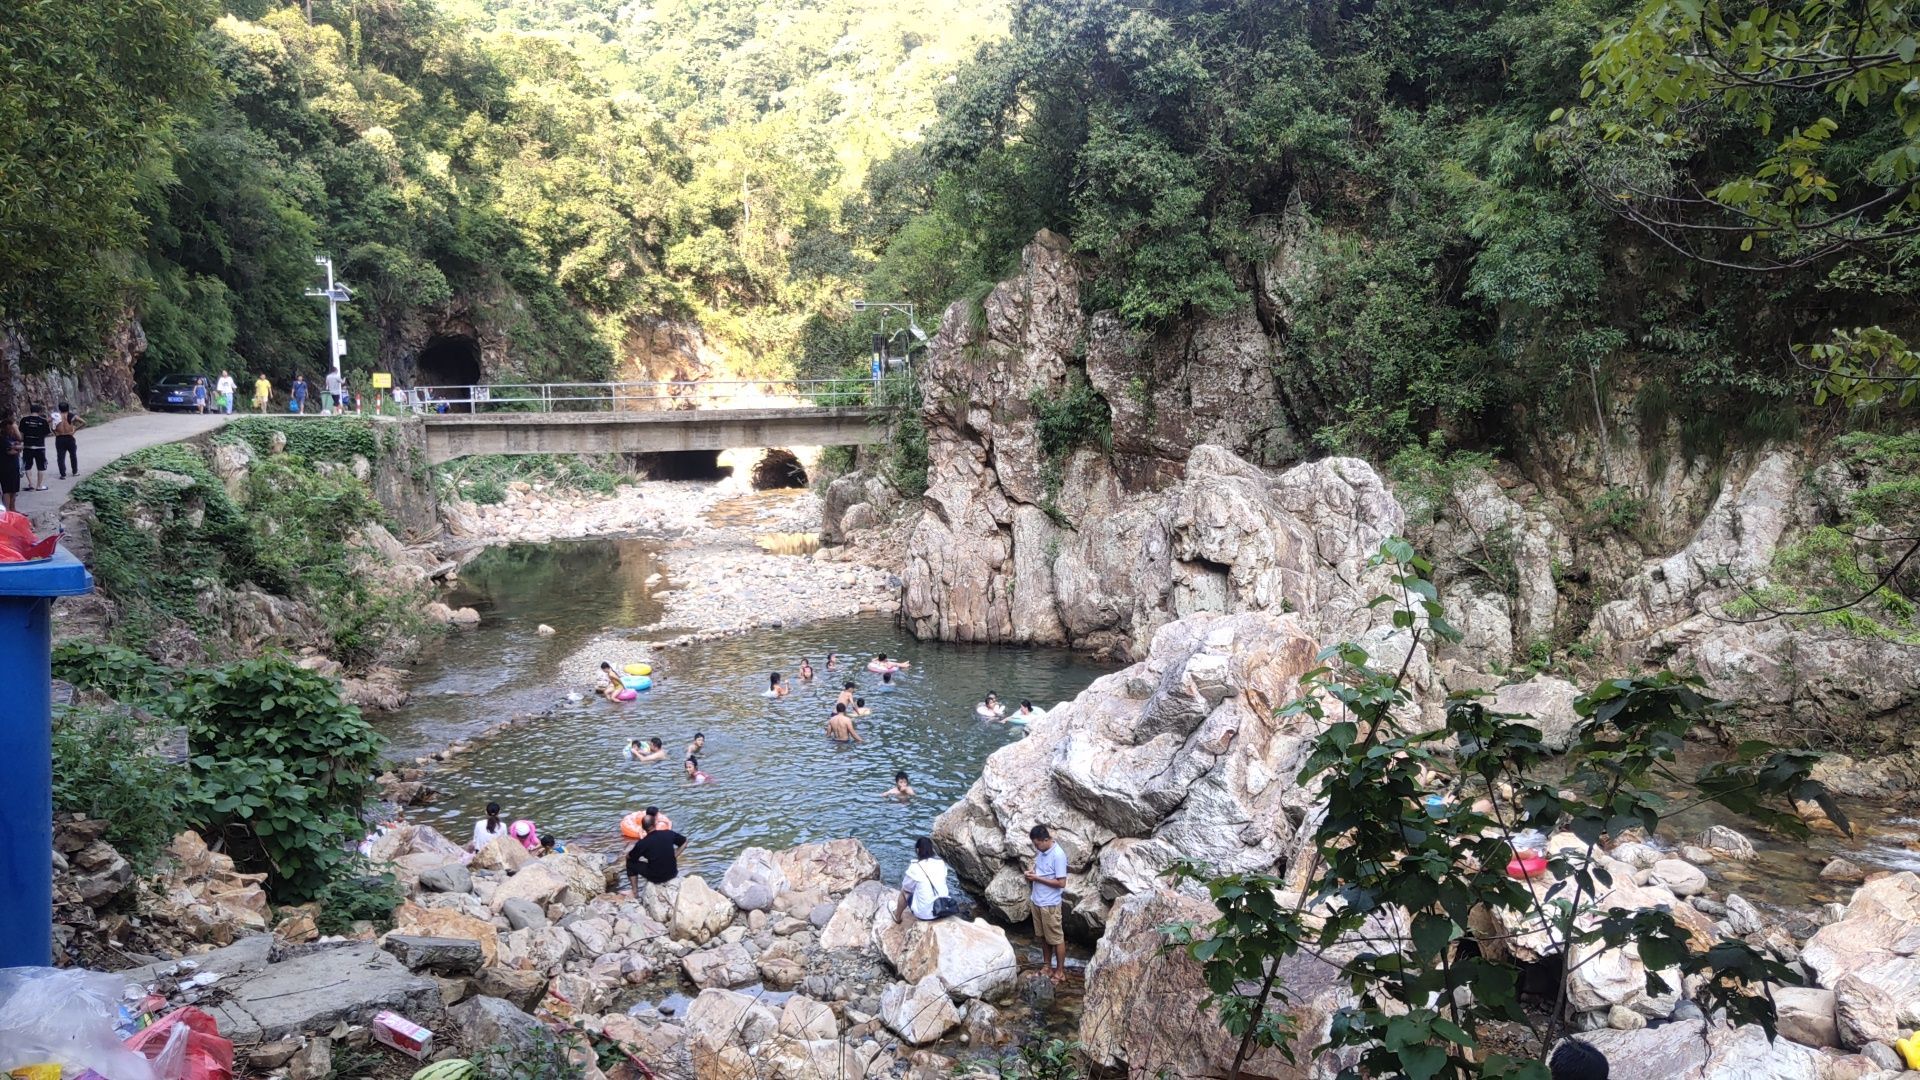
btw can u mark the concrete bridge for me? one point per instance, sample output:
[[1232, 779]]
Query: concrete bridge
[[456, 435]]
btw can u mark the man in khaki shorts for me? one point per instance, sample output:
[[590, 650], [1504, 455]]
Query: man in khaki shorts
[[1046, 881]]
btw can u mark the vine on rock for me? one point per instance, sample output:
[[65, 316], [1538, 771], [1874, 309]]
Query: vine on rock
[[1410, 864]]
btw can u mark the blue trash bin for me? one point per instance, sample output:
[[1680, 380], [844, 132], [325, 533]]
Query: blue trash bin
[[26, 750]]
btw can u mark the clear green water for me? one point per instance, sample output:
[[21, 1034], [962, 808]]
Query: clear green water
[[777, 779]]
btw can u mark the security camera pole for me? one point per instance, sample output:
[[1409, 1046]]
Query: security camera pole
[[879, 342]]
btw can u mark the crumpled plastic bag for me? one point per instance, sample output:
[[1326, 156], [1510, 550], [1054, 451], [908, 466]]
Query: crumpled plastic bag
[[66, 1016], [185, 1044]]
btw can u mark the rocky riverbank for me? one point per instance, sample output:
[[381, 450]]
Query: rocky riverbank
[[731, 560]]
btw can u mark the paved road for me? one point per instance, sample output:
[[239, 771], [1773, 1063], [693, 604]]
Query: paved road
[[101, 445]]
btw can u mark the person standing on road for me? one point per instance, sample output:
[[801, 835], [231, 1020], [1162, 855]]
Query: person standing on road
[[333, 399], [66, 453], [262, 390], [226, 388], [34, 429], [299, 393], [1046, 883], [9, 461]]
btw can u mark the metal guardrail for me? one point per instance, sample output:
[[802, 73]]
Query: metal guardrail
[[894, 390]]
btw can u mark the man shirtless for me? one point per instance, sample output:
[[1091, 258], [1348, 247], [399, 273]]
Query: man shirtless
[[840, 726]]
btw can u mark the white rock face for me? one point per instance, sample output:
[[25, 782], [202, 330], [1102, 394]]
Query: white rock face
[[918, 1012], [1180, 753], [1870, 958], [1806, 1014], [1684, 878], [1549, 701], [699, 913], [973, 958], [753, 880]]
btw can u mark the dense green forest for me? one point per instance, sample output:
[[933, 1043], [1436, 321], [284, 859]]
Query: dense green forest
[[1484, 199], [547, 171]]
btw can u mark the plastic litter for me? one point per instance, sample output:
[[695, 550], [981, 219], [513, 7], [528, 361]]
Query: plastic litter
[[67, 1017], [186, 1044]]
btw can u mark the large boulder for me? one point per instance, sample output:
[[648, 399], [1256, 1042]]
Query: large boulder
[[919, 1012], [1148, 1011], [537, 884], [1691, 1050], [497, 1035], [699, 913], [1185, 754], [317, 990], [721, 1026], [973, 958], [1549, 701], [753, 880], [724, 966], [1806, 1014], [851, 925], [1870, 958], [834, 865]]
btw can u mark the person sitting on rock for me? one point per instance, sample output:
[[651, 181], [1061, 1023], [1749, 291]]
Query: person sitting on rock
[[653, 750], [610, 684], [654, 858], [840, 726], [525, 832], [924, 885], [775, 687], [488, 828], [901, 790]]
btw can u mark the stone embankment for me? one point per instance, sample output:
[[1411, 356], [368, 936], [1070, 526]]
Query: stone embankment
[[792, 962]]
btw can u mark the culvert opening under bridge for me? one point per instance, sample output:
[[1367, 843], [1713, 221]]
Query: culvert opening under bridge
[[680, 465]]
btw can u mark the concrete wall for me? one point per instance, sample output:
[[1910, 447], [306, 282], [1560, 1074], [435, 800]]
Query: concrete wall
[[456, 436]]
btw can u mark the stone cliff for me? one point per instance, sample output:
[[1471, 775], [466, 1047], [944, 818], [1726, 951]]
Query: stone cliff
[[1583, 551]]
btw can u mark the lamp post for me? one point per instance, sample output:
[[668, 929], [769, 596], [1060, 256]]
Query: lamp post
[[334, 294]]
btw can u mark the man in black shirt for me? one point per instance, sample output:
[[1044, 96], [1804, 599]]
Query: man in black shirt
[[34, 429], [655, 858]]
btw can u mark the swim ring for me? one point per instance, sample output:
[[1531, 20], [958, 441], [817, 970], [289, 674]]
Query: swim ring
[[1526, 866], [639, 669], [633, 826], [1017, 719], [626, 695], [985, 713], [636, 682], [879, 668]]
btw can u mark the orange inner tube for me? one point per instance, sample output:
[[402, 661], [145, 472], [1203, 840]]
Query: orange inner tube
[[632, 826]]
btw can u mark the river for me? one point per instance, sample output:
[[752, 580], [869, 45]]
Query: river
[[777, 780]]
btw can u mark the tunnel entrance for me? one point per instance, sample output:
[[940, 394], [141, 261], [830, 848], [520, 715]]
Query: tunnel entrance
[[778, 469], [680, 465], [449, 361]]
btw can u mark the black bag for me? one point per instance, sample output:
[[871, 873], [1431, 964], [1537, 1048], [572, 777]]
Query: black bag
[[945, 906]]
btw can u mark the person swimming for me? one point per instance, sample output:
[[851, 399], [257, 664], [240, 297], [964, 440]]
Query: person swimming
[[651, 750], [698, 744], [860, 707], [832, 661], [775, 687], [901, 790], [886, 682], [806, 670], [1026, 710], [846, 694], [610, 684], [692, 768], [990, 708], [882, 665], [840, 726]]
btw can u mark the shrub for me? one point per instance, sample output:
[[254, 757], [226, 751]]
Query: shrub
[[356, 894], [333, 438], [1079, 417], [106, 765], [115, 670], [281, 766], [906, 464]]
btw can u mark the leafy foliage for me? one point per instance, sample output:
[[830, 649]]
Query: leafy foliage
[[1407, 875], [107, 765], [338, 438], [280, 768]]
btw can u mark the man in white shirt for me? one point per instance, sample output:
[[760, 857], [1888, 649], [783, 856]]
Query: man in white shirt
[[225, 388], [333, 392], [924, 883]]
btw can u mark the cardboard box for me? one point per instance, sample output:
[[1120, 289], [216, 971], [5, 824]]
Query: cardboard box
[[402, 1034]]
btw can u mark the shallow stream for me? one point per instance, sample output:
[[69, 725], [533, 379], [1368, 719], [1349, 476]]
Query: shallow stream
[[777, 779]]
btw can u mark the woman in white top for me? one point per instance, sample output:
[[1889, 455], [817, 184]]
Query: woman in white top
[[488, 827], [924, 883]]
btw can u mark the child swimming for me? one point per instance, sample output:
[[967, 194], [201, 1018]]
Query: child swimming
[[901, 790]]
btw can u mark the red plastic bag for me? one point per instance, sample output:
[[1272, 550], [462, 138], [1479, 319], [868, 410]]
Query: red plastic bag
[[193, 1037]]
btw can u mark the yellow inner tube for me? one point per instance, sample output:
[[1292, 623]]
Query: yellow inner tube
[[639, 669]]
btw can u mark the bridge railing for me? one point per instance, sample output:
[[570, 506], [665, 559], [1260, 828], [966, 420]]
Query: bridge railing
[[893, 390]]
